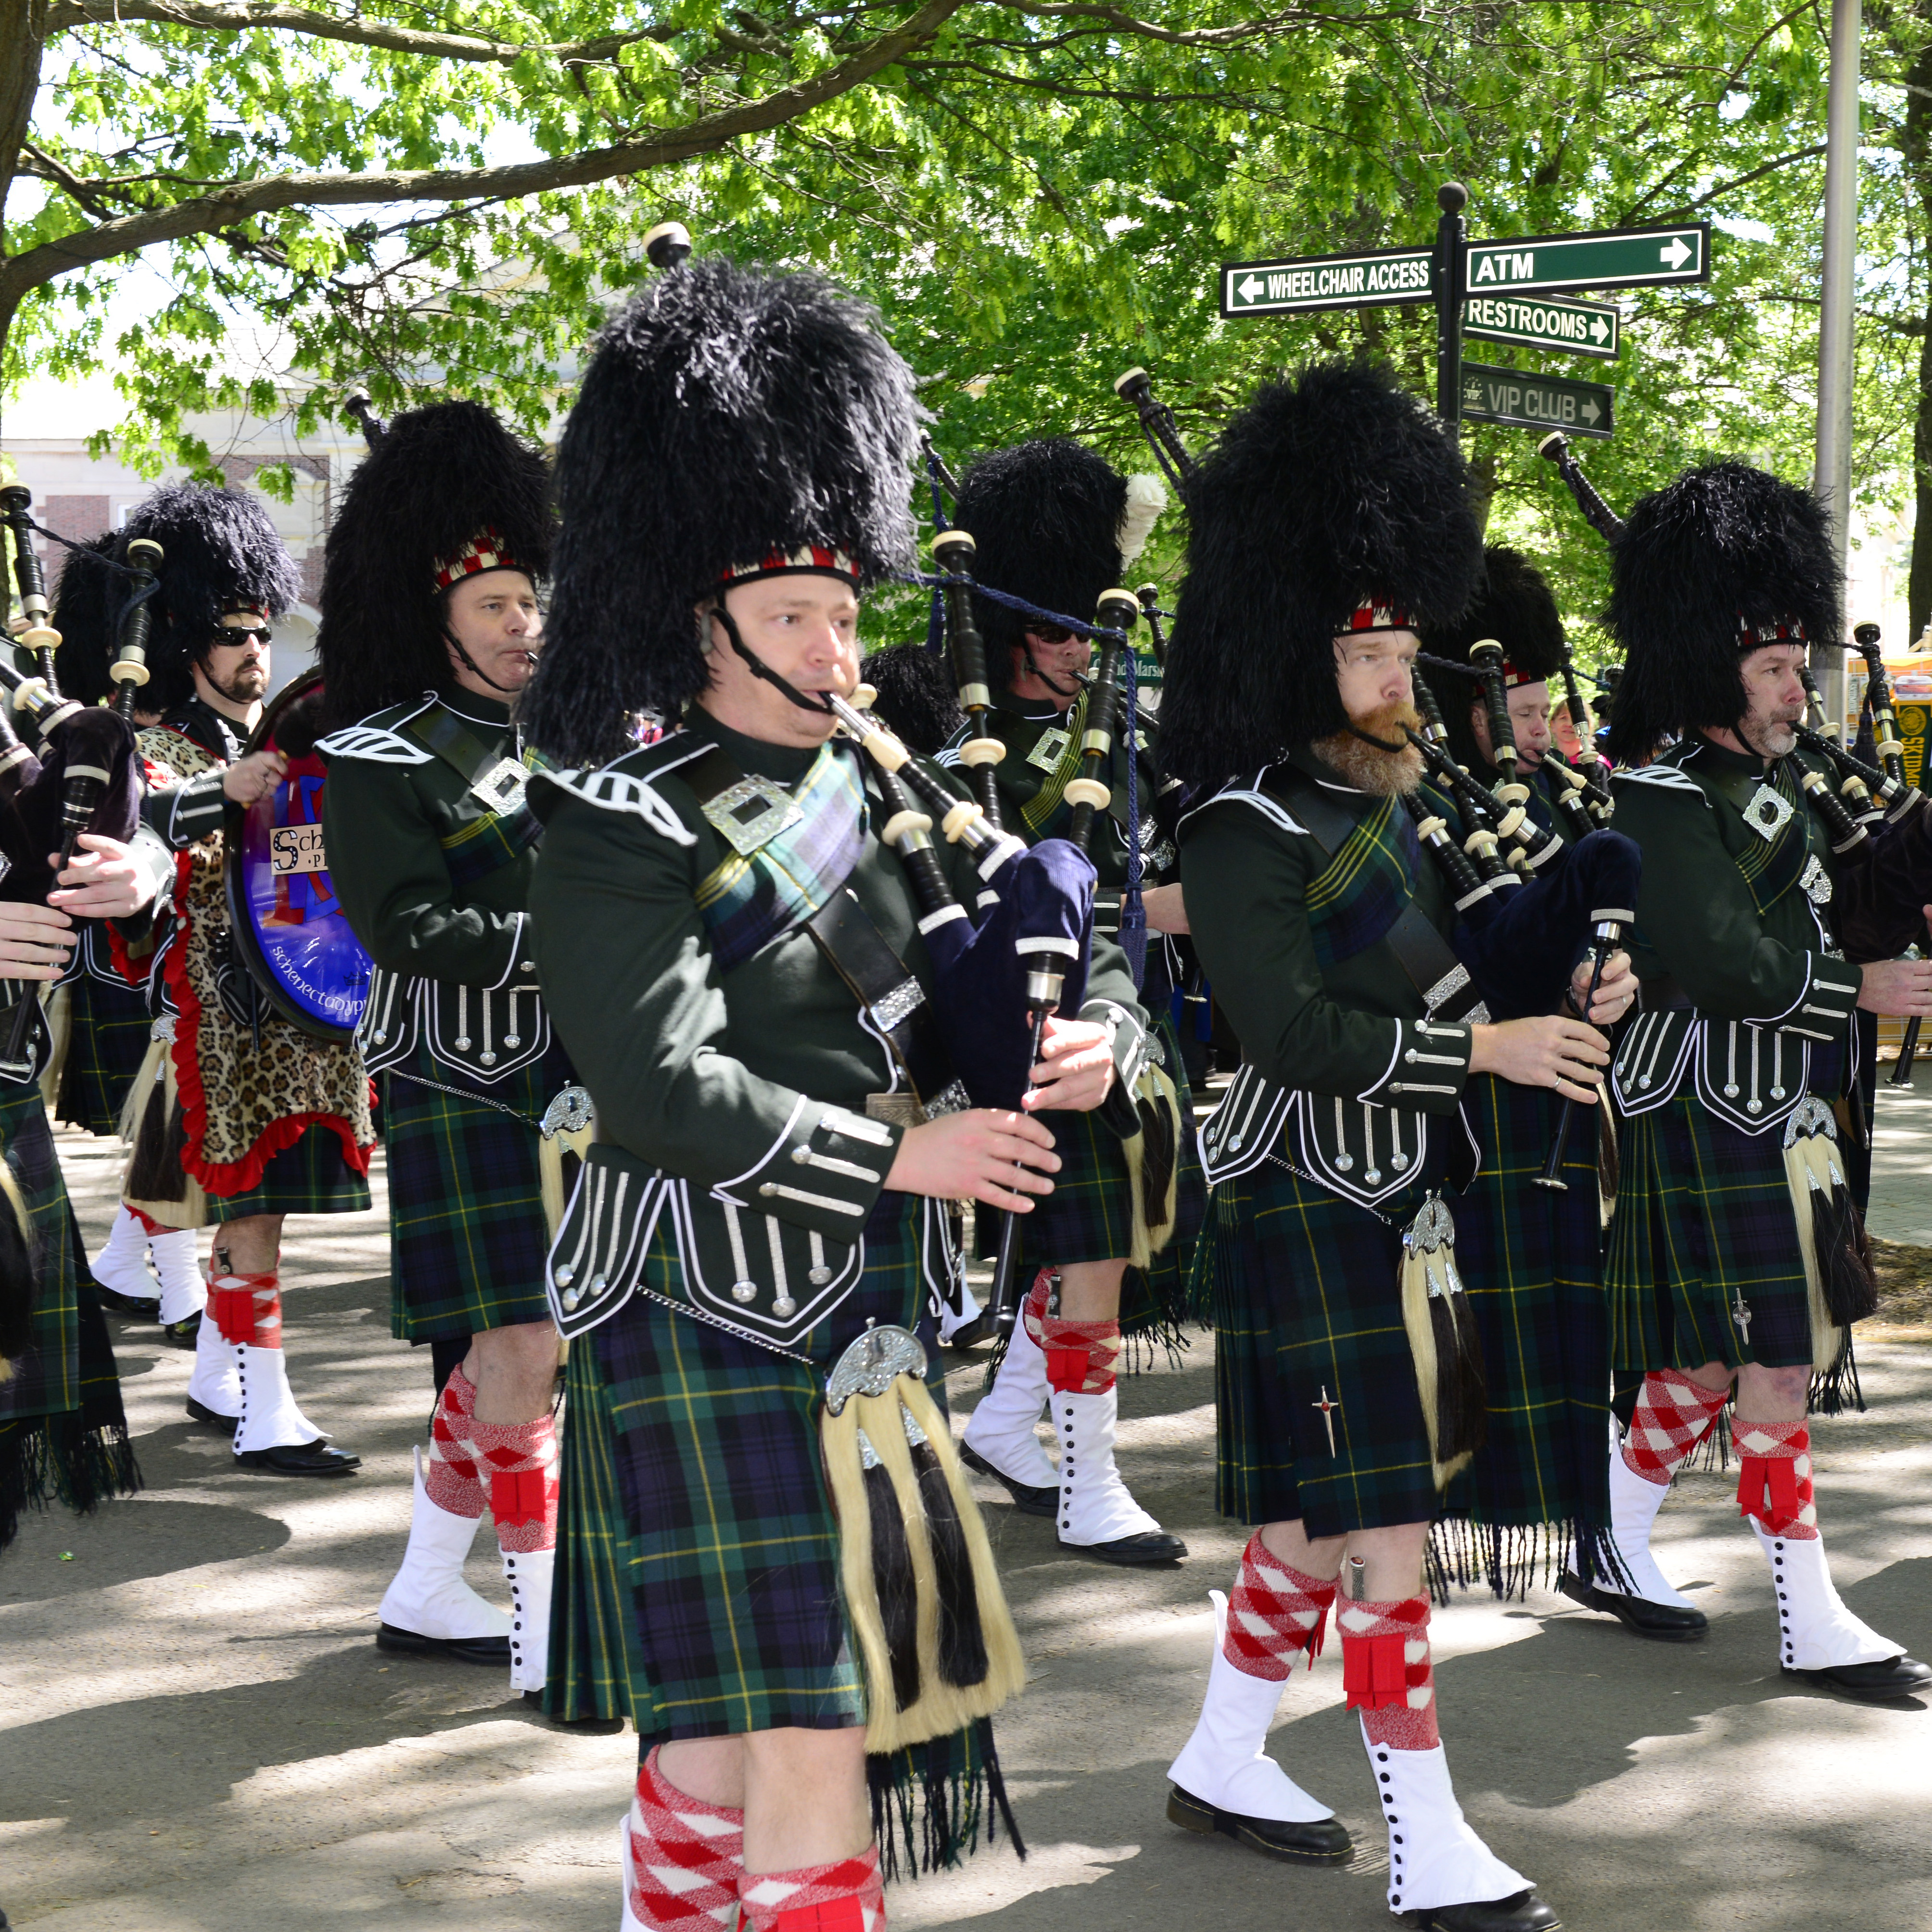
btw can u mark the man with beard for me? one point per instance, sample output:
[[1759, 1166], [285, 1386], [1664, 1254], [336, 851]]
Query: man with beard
[[430, 627], [1737, 1260], [240, 1118], [1330, 523]]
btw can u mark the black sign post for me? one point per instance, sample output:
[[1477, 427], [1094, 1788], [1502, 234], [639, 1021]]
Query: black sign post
[[1452, 236]]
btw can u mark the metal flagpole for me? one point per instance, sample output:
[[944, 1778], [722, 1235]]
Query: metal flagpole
[[1831, 474]]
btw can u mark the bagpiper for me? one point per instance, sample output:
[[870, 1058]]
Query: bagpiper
[[1737, 1258], [107, 1026], [1055, 524], [431, 624], [237, 1118], [1329, 525], [735, 956]]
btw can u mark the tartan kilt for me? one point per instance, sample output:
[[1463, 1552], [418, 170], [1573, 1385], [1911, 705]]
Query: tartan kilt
[[1531, 1259], [107, 1040], [1306, 1304], [1089, 1217], [63, 1429], [310, 1176], [697, 1586], [1703, 1215], [467, 1235]]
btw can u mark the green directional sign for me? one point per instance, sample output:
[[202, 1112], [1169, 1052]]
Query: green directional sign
[[1609, 258], [1298, 285], [1537, 402], [1544, 322]]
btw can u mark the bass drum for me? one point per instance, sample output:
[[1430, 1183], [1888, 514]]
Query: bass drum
[[289, 929]]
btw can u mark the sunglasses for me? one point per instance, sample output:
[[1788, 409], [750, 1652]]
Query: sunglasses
[[229, 634], [1050, 633]]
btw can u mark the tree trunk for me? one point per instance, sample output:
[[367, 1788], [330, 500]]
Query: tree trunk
[[1918, 146], [23, 41]]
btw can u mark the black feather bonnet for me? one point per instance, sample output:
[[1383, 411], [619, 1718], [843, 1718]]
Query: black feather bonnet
[[916, 698], [1707, 569], [89, 602], [727, 414], [220, 552], [1514, 606], [1045, 519], [1331, 490], [447, 492]]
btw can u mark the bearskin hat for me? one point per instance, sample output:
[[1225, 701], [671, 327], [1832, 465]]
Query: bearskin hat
[[727, 415], [916, 698], [1724, 559], [1045, 518], [447, 492], [89, 602], [1331, 490], [1514, 606], [220, 551]]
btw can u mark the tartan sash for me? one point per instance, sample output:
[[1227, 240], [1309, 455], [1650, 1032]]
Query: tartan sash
[[748, 900], [1048, 805], [1771, 868], [1363, 890], [496, 839]]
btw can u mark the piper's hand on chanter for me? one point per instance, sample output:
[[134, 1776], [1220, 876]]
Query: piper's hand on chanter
[[985, 1154], [1548, 1051], [35, 941], [103, 881], [254, 776], [1615, 991], [1898, 988], [1164, 910], [1076, 1072]]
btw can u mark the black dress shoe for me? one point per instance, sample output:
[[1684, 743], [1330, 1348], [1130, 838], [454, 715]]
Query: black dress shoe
[[1523, 1912], [1133, 1552], [214, 1417], [494, 1651], [1664, 1622], [1324, 1842], [185, 1333], [1028, 1499], [588, 1727], [1873, 1683], [136, 1308], [970, 1334], [299, 1459]]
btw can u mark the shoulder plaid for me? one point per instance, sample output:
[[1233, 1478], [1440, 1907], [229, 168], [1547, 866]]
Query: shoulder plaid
[[373, 743]]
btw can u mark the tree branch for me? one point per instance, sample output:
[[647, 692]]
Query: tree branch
[[1124, 22], [210, 214], [236, 16]]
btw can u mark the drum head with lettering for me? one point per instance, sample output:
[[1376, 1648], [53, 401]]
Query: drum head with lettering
[[289, 926]]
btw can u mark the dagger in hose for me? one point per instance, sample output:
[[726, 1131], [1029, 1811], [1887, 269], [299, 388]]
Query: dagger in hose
[[1611, 923]]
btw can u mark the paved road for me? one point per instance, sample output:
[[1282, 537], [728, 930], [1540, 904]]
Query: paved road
[[198, 1734]]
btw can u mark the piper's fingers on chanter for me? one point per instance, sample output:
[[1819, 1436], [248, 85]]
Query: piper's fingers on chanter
[[992, 1195], [1581, 1041]]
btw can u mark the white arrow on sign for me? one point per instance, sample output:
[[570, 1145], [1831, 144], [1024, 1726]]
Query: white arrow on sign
[[1676, 255], [1251, 288], [1599, 328], [1590, 412]]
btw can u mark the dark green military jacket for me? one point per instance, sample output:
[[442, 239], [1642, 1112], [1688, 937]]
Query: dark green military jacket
[[432, 847], [1042, 754], [1742, 979], [1345, 1066], [739, 1095]]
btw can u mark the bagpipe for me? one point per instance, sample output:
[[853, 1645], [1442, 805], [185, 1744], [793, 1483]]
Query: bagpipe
[[82, 774]]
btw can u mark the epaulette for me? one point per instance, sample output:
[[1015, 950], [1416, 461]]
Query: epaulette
[[1668, 776], [376, 738], [625, 783], [1248, 791]]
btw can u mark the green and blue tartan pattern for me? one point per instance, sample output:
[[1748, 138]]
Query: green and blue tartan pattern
[[311, 1176], [467, 1236], [1307, 1305], [1530, 1259], [697, 1583], [1365, 886], [747, 901], [1704, 1216], [494, 838], [107, 1040]]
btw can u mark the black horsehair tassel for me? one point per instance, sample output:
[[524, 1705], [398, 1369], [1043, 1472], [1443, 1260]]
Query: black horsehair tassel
[[962, 1642], [156, 1173], [1462, 1394], [893, 1578], [1157, 1153]]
